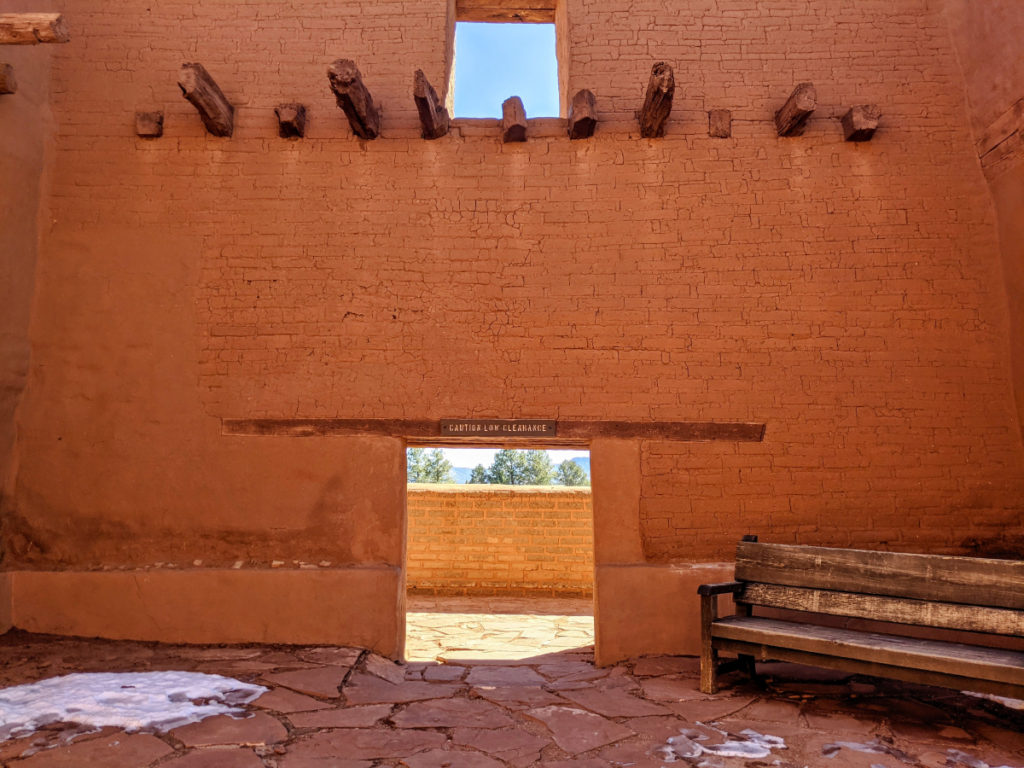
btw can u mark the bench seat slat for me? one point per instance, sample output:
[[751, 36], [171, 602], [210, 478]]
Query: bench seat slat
[[967, 580], [971, 618], [946, 658], [854, 667]]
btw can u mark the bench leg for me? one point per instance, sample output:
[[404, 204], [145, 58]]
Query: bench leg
[[708, 655], [749, 666]]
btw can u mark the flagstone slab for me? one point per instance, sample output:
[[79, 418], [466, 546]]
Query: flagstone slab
[[116, 751], [323, 762], [443, 673], [336, 657], [638, 756], [217, 758], [770, 711], [491, 675], [363, 688], [659, 728], [828, 715], [223, 730], [515, 746], [671, 689], [233, 668], [440, 758], [576, 730], [316, 681], [348, 717], [361, 744], [653, 666], [571, 670], [449, 713], [285, 701], [518, 696], [710, 709], [384, 668], [614, 678], [614, 703], [414, 669]]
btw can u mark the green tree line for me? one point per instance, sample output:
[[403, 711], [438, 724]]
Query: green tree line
[[510, 467]]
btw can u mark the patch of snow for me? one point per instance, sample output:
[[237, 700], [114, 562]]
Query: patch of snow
[[958, 759], [132, 701], [681, 746], [875, 747], [752, 746], [1009, 703]]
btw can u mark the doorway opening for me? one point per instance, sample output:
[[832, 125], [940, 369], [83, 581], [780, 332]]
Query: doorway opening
[[499, 553]]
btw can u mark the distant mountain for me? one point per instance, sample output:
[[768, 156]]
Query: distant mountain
[[462, 474]]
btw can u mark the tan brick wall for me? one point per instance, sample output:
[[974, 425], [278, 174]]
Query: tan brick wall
[[481, 539], [849, 296]]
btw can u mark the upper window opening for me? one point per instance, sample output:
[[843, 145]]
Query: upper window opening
[[495, 60]]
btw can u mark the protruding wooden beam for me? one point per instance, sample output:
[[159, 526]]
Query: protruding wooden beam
[[658, 101], [291, 120], [792, 118], [149, 125], [719, 123], [513, 120], [861, 122], [7, 82], [569, 432], [32, 28], [354, 99], [433, 116], [582, 115], [200, 89], [530, 11]]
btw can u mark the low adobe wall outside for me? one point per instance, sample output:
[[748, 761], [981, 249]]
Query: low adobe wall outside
[[500, 539]]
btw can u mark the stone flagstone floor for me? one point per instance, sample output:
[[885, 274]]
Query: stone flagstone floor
[[477, 628], [347, 708]]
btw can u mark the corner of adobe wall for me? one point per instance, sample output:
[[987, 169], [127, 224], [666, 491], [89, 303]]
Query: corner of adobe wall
[[640, 608]]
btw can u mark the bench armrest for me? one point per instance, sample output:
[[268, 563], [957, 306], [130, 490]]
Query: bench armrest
[[722, 588]]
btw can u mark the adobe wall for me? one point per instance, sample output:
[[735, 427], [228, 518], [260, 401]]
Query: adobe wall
[[24, 125], [987, 39], [508, 540], [849, 296]]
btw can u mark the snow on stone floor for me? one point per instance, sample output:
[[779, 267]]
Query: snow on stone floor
[[332, 707], [131, 701]]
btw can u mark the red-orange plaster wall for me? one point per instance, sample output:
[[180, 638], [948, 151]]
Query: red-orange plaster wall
[[987, 41], [24, 126], [849, 296]]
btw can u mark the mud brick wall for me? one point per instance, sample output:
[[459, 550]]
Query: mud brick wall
[[849, 296], [500, 540], [25, 126]]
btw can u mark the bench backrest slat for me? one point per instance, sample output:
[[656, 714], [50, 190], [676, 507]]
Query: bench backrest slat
[[971, 618], [965, 580]]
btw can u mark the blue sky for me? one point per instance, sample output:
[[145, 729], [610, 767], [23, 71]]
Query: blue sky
[[495, 61]]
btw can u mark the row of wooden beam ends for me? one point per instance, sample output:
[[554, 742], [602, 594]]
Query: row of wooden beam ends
[[363, 114], [28, 29]]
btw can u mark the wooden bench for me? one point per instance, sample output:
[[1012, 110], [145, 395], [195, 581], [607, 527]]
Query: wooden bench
[[982, 596]]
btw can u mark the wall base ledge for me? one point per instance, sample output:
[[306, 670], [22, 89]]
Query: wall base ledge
[[361, 606], [648, 609]]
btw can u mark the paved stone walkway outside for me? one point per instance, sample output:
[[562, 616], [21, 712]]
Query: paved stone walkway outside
[[477, 628], [346, 708]]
